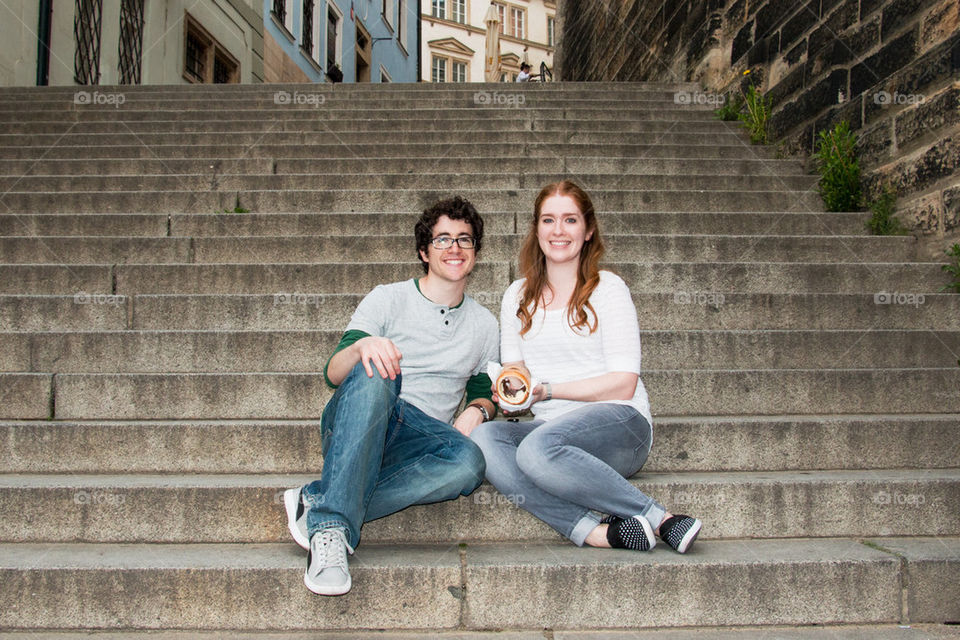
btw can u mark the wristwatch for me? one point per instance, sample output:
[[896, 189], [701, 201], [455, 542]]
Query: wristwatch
[[486, 416]]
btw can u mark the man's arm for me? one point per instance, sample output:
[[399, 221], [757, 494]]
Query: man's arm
[[478, 395], [373, 351]]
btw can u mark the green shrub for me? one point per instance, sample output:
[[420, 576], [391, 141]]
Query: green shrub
[[953, 268], [756, 115], [883, 222], [839, 169]]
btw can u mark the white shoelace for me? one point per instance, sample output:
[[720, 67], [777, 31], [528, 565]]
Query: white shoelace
[[329, 548]]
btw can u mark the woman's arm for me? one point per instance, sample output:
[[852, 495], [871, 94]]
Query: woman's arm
[[616, 385]]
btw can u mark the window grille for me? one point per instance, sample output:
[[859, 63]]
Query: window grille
[[86, 32], [131, 41]]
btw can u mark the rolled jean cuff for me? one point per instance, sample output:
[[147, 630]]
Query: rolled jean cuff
[[330, 524], [583, 528], [654, 515]]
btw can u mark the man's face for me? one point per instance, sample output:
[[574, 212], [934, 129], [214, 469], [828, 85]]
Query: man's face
[[453, 264]]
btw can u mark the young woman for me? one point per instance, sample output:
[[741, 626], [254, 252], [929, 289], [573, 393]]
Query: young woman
[[574, 328]]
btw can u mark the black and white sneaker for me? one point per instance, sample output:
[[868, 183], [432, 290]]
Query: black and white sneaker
[[296, 516], [631, 533], [327, 573], [680, 531]]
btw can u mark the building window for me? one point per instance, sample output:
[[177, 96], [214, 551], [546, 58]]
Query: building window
[[439, 70], [401, 24], [550, 41], [333, 37], [131, 41], [205, 60], [502, 16], [516, 22], [439, 8], [460, 11], [86, 33], [459, 72], [306, 39]]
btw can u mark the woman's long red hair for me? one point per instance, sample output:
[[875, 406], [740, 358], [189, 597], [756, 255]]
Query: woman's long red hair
[[533, 264]]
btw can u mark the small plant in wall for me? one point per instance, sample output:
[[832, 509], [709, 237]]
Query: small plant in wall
[[755, 115], [953, 268], [839, 168], [883, 222], [730, 110]]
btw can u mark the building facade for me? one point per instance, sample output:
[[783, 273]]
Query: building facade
[[454, 36], [351, 40], [91, 42]]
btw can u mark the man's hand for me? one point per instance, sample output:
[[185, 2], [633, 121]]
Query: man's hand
[[468, 420], [381, 353]]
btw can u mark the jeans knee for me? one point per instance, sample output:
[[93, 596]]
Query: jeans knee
[[533, 456], [358, 379], [470, 468]]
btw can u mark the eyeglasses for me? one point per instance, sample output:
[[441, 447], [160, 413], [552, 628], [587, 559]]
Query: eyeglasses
[[445, 242]]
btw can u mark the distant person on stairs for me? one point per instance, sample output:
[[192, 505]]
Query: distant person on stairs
[[574, 328], [409, 353]]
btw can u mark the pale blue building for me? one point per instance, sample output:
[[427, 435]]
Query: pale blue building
[[367, 40]]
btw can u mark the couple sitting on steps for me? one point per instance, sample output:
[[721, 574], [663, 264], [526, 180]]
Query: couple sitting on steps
[[413, 348]]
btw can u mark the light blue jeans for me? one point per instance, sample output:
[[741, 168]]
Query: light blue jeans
[[568, 470], [381, 455]]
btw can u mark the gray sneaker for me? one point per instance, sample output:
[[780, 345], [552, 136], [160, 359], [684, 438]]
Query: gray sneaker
[[327, 573], [296, 516]]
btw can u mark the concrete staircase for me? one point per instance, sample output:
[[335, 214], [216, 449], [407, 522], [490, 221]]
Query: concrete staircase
[[175, 270]]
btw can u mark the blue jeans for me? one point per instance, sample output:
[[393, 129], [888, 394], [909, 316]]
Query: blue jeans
[[381, 455], [567, 469]]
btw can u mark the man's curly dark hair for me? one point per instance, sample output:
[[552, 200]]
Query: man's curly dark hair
[[455, 208]]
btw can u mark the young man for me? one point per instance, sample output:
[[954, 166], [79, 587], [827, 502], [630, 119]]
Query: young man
[[400, 370]]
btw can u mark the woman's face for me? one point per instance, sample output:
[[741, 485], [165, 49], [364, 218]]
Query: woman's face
[[561, 229]]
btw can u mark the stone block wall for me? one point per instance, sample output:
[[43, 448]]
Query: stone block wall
[[891, 68]]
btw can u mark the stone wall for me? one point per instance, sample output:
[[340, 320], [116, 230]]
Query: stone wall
[[889, 67]]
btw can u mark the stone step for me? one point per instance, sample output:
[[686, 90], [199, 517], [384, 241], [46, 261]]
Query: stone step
[[401, 224], [466, 111], [140, 351], [697, 443], [428, 136], [923, 631], [324, 249], [96, 586], [302, 311], [333, 150], [689, 283], [228, 396], [309, 122], [370, 200], [579, 167], [249, 508], [426, 179]]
